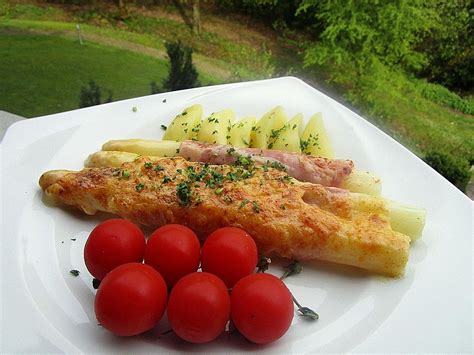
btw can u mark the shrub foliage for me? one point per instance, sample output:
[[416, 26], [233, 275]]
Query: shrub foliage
[[457, 171], [91, 95]]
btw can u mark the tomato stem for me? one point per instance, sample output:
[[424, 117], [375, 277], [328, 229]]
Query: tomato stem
[[263, 263], [305, 311], [294, 268]]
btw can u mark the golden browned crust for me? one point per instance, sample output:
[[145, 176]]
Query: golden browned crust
[[287, 218]]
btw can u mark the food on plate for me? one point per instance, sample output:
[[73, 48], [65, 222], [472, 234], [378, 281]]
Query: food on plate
[[215, 128], [174, 251], [302, 167], [229, 253], [266, 127], [240, 132], [113, 243], [131, 299], [184, 125], [272, 131], [405, 219], [261, 308], [199, 307], [109, 158], [363, 182], [285, 217], [143, 147], [337, 173], [315, 140], [287, 138]]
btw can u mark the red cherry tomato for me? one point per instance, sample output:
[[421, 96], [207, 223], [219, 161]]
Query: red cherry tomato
[[131, 299], [199, 307], [174, 251], [113, 243], [261, 308], [229, 253]]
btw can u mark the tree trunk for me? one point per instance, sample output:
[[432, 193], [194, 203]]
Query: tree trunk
[[196, 18]]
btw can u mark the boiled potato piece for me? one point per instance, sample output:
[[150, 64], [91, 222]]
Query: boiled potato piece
[[239, 135], [315, 140], [181, 128], [215, 128], [287, 138], [144, 147], [298, 119], [270, 122]]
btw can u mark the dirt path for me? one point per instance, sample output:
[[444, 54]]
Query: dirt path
[[201, 62]]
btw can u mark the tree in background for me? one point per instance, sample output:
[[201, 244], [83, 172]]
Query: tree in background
[[450, 46], [91, 94], [182, 73], [363, 30], [194, 21]]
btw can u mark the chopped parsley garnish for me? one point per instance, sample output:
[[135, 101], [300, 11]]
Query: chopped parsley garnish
[[158, 168], [125, 174], [163, 127], [231, 176], [277, 165], [255, 207], [287, 179], [198, 200], [274, 134], [148, 165], [274, 165], [74, 273], [243, 203], [139, 187], [166, 179], [243, 160], [228, 199], [219, 191], [312, 141], [183, 191]]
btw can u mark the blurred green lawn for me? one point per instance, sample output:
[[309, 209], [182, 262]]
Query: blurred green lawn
[[43, 74]]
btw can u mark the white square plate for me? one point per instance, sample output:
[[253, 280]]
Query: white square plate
[[45, 309]]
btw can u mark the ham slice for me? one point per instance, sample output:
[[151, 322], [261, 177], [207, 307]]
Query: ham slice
[[326, 172]]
